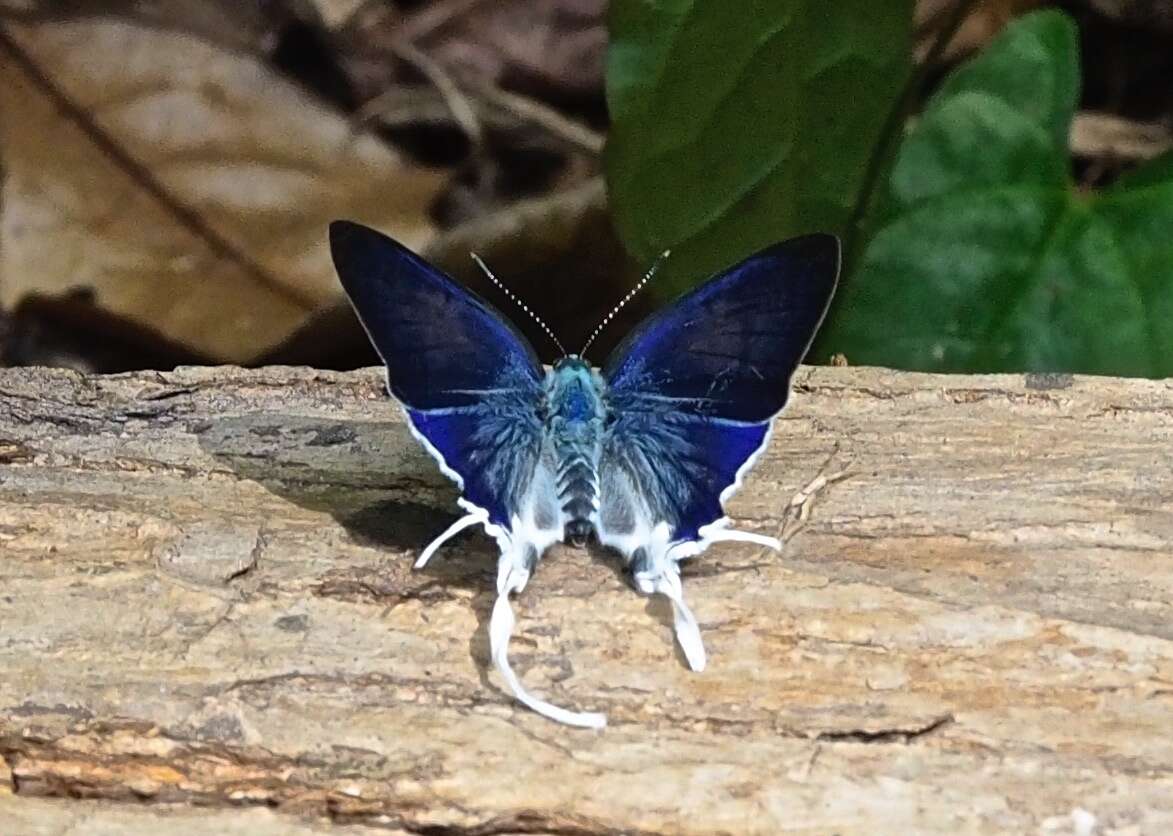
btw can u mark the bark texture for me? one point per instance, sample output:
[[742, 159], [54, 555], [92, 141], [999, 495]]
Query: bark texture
[[209, 623]]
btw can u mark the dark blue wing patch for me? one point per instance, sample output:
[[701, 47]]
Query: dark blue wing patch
[[443, 345], [692, 391], [493, 447], [729, 347], [470, 382]]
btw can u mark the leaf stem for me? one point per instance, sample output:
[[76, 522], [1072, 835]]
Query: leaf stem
[[893, 128]]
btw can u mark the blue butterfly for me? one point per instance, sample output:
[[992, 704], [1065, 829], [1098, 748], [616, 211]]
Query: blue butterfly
[[642, 453]]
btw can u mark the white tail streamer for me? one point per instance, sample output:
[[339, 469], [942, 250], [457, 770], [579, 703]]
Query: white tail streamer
[[511, 578]]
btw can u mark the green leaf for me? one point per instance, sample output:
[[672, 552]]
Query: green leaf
[[984, 257], [1139, 211], [1027, 68], [738, 123]]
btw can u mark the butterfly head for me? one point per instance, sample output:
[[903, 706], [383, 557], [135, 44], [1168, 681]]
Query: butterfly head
[[571, 364], [574, 390]]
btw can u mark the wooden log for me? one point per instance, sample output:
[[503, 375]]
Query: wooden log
[[206, 601]]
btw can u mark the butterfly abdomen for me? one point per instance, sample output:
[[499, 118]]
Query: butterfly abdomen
[[578, 492], [575, 425]]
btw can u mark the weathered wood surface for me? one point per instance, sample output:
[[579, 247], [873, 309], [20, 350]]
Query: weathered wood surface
[[206, 602]]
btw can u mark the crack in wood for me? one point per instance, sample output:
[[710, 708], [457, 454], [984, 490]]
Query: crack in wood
[[884, 736]]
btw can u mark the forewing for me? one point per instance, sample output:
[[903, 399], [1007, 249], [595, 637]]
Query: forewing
[[729, 347], [692, 391], [470, 383]]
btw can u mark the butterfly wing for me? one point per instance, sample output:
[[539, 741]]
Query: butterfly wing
[[469, 382], [472, 387], [692, 393]]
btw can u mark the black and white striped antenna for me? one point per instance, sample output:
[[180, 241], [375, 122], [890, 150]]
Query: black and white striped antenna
[[639, 285], [541, 323]]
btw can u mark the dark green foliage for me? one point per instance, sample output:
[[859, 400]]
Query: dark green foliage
[[984, 256], [736, 124]]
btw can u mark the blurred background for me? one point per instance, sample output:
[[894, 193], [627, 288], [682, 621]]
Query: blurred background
[[1000, 171]]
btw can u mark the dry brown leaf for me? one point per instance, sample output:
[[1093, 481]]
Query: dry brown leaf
[[531, 45], [243, 25], [257, 160], [1157, 14], [337, 13], [984, 19], [1105, 135]]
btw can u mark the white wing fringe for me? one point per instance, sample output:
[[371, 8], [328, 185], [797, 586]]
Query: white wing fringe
[[513, 578]]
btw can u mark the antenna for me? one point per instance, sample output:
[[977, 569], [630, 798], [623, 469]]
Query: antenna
[[660, 259], [518, 302]]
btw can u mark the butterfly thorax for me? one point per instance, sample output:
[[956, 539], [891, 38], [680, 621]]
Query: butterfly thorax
[[574, 424]]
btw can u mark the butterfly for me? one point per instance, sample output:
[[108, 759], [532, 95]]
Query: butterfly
[[641, 454]]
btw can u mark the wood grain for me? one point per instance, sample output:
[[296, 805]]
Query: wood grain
[[208, 621]]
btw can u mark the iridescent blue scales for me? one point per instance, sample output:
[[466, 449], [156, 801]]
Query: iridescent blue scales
[[641, 454]]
